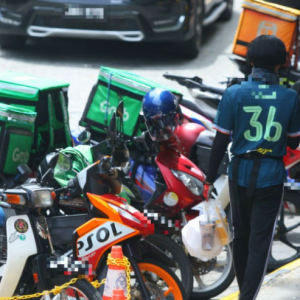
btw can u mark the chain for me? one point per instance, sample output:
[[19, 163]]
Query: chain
[[56, 290], [96, 283], [125, 263]]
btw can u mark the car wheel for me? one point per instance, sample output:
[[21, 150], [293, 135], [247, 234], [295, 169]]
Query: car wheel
[[191, 47], [12, 41], [227, 13]]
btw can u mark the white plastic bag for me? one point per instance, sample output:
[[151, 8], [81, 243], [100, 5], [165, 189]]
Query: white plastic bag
[[200, 235]]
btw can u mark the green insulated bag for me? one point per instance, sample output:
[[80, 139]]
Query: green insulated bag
[[49, 99], [16, 136], [112, 87]]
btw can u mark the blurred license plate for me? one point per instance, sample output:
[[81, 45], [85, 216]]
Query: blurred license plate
[[84, 12]]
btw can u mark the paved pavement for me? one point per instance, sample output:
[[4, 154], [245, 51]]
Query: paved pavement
[[282, 284]]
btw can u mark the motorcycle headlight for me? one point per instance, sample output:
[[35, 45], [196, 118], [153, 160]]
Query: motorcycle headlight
[[192, 183], [42, 198]]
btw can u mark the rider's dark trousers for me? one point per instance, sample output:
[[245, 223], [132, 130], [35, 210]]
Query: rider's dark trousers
[[254, 225]]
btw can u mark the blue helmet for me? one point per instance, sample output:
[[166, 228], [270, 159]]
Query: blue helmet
[[160, 109]]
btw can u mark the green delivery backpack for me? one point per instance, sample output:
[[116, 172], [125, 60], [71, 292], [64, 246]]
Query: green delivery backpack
[[49, 99], [16, 137], [113, 86]]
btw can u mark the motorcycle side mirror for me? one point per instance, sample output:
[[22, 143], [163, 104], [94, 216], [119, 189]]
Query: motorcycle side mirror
[[111, 132], [84, 137], [120, 110], [64, 162], [120, 114], [53, 160], [52, 163], [4, 182]]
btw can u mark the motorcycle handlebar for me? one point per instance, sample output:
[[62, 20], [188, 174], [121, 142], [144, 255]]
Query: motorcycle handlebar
[[194, 82], [61, 190], [140, 142], [138, 139]]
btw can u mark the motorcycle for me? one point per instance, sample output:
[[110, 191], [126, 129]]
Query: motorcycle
[[107, 213], [26, 248], [111, 220], [178, 184]]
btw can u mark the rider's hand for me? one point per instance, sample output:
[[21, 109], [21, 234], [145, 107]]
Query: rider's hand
[[207, 190]]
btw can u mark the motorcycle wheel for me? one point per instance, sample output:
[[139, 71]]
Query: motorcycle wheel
[[177, 254], [161, 282], [286, 241], [212, 277], [81, 289]]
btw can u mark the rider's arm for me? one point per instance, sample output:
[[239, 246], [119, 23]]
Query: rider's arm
[[293, 130], [217, 153], [223, 123]]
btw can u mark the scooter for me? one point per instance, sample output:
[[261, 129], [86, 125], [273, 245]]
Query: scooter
[[27, 251], [178, 186]]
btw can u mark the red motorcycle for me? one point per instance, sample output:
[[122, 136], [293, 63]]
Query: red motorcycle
[[179, 183]]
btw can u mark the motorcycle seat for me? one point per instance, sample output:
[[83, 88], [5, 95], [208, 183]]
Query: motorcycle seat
[[204, 107], [204, 144], [205, 139], [61, 228]]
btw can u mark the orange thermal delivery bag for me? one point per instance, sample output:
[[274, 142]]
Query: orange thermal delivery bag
[[261, 17]]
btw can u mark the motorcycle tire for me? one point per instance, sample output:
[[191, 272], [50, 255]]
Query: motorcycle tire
[[177, 254], [174, 286], [80, 289], [206, 290], [156, 276], [202, 287]]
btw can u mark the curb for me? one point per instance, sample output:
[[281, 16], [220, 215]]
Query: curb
[[270, 277]]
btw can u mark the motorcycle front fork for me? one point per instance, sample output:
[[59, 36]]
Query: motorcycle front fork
[[183, 216], [139, 277]]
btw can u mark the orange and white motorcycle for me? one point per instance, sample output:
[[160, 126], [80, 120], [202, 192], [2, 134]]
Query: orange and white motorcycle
[[110, 221]]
